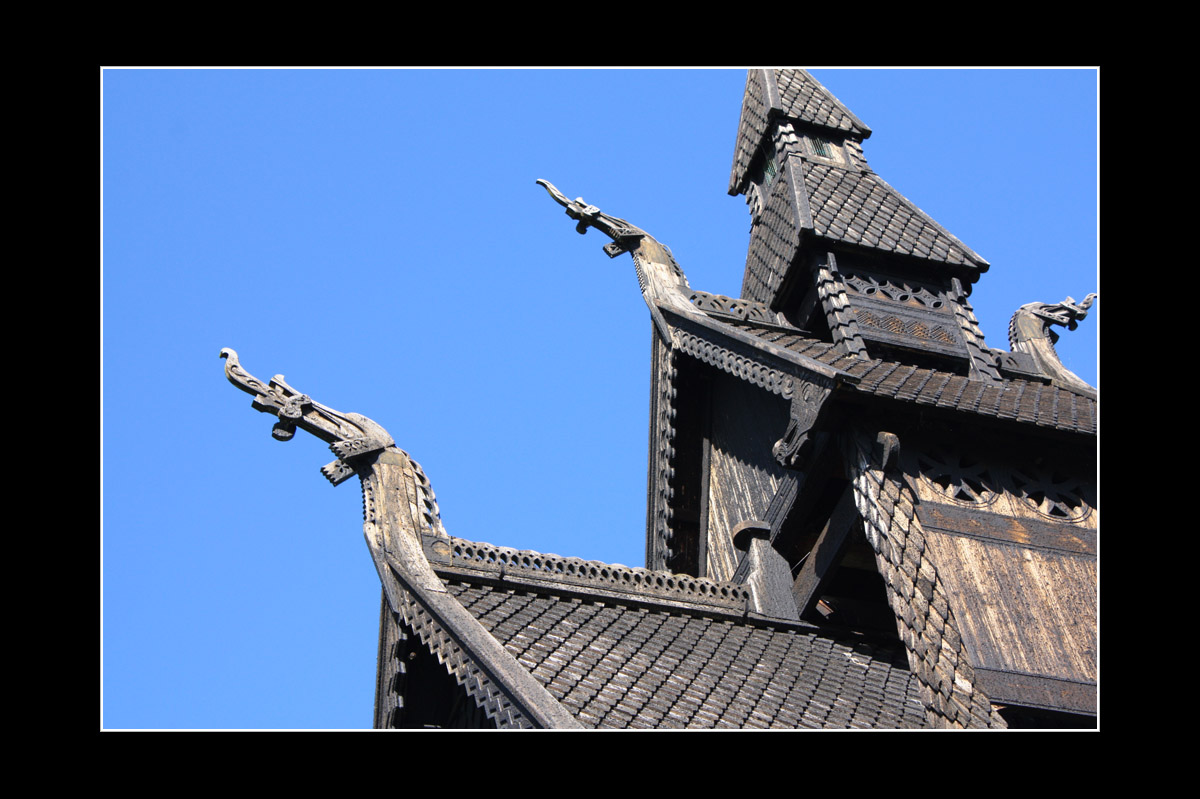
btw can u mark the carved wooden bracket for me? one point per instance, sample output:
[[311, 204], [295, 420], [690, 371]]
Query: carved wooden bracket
[[808, 400]]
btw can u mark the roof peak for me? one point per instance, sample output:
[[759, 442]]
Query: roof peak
[[802, 97], [787, 94]]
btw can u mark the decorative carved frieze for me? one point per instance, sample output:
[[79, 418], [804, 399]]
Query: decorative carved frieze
[[894, 290], [660, 524], [969, 479], [745, 310], [904, 313], [738, 364], [536, 569]]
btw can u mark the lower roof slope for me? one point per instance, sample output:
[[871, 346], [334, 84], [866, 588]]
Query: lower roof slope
[[627, 667], [616, 654]]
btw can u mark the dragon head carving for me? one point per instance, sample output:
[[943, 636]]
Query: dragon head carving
[[349, 435]]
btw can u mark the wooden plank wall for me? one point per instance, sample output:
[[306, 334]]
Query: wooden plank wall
[[743, 475], [1026, 609]]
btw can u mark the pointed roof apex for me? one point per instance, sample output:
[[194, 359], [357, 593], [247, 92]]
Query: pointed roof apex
[[800, 96], [790, 94]]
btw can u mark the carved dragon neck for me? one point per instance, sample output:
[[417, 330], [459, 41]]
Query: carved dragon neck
[[659, 276], [398, 503], [398, 510], [1029, 331]]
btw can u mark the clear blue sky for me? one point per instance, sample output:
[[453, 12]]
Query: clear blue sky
[[377, 237]]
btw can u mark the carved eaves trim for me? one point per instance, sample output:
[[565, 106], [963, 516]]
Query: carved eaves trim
[[535, 570], [660, 526], [806, 387], [435, 634], [732, 349]]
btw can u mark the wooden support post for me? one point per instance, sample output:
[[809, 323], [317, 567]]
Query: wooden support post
[[825, 554]]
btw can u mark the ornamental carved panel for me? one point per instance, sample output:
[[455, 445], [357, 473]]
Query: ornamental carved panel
[[1029, 489]]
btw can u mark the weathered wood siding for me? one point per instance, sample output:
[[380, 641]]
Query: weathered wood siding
[[1015, 545], [1024, 608], [743, 475]]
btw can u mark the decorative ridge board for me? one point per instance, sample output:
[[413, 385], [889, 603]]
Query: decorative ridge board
[[537, 570], [684, 612], [687, 331], [721, 306], [659, 514]]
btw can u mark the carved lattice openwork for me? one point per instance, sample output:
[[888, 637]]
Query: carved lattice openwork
[[1052, 494], [967, 479], [958, 477], [895, 290]]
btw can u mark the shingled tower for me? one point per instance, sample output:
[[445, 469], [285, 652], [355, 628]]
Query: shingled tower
[[971, 469], [858, 513]]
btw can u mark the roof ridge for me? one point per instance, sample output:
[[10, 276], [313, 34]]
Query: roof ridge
[[614, 581]]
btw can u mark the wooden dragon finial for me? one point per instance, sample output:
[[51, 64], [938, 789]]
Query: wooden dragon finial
[[659, 276], [1029, 331], [349, 435]]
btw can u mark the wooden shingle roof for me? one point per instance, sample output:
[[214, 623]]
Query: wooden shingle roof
[[832, 198], [790, 93], [629, 667], [803, 98], [846, 206], [619, 648], [1023, 401], [860, 208]]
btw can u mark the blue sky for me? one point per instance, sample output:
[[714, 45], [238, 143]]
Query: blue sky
[[377, 237]]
